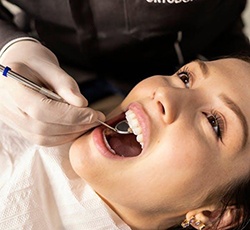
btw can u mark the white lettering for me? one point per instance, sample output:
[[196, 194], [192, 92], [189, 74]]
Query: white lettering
[[169, 1]]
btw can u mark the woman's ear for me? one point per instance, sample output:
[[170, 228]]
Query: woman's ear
[[211, 216]]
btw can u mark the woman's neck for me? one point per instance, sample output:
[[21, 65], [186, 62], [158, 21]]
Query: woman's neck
[[139, 220]]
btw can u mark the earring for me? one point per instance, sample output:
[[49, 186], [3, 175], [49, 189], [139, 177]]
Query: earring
[[202, 227], [200, 224], [193, 221], [185, 223]]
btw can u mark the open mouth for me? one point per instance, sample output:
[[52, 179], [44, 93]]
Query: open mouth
[[129, 145]]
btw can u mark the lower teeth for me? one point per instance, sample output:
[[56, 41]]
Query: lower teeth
[[106, 132]]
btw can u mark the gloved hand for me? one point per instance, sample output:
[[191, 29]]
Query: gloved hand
[[39, 119]]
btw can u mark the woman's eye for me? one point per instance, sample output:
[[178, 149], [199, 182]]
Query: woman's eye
[[185, 77], [217, 124]]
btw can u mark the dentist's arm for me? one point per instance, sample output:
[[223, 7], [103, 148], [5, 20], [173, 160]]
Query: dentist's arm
[[39, 119]]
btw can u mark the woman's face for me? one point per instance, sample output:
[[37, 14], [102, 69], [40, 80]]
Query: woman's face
[[193, 127]]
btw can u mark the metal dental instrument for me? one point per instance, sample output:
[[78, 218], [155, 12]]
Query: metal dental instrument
[[121, 128], [7, 72]]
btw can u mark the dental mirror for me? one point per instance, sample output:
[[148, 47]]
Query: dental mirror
[[122, 127]]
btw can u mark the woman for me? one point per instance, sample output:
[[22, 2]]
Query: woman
[[187, 164], [194, 133]]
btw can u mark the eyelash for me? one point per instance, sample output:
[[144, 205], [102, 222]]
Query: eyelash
[[185, 76], [217, 121], [184, 72]]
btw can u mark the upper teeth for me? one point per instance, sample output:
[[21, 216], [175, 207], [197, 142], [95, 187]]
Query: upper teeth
[[135, 126]]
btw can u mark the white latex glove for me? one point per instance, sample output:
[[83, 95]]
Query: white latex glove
[[39, 119]]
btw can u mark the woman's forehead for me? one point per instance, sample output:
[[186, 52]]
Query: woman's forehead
[[231, 76], [235, 67]]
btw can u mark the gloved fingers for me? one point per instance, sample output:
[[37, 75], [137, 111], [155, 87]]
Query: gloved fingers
[[54, 77], [49, 140], [24, 122], [42, 133], [46, 110]]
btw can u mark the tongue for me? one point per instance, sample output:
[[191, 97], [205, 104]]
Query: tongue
[[125, 145]]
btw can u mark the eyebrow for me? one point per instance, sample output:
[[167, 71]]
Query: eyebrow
[[203, 67], [236, 109]]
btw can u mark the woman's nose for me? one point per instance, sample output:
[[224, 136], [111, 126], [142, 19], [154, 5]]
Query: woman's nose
[[170, 102]]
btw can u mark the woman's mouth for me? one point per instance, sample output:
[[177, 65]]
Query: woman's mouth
[[128, 145]]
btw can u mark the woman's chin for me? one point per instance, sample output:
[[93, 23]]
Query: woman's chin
[[78, 154]]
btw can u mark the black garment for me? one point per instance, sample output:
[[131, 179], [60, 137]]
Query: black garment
[[133, 39]]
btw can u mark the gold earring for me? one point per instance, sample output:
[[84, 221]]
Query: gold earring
[[185, 223], [193, 221], [200, 224], [202, 227], [197, 222]]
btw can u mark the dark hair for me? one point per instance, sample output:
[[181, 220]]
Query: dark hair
[[239, 196]]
